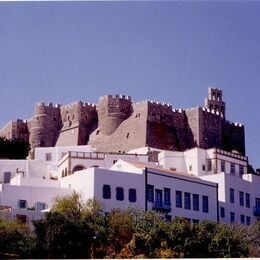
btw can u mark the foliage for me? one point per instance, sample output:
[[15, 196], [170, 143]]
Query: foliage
[[77, 229], [14, 148], [15, 240]]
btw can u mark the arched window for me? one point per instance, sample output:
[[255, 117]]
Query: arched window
[[78, 168]]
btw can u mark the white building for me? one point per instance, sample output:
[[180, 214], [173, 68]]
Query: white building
[[196, 184]]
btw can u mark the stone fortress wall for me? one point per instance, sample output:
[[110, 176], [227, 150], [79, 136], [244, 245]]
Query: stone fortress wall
[[116, 124]]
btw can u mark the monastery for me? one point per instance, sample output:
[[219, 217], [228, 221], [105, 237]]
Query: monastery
[[187, 163]]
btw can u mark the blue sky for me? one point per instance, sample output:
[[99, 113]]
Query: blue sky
[[167, 51]]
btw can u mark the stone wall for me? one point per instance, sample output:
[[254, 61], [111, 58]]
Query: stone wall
[[116, 124]]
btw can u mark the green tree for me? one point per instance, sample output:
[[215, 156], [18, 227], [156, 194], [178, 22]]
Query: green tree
[[16, 241]]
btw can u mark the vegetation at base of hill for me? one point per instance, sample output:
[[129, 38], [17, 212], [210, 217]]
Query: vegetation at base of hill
[[74, 229], [13, 148]]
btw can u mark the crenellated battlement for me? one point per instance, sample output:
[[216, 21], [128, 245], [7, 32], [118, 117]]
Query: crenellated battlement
[[212, 111], [42, 104]]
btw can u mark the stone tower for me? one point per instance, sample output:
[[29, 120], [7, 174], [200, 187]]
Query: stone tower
[[112, 111], [214, 101], [44, 125]]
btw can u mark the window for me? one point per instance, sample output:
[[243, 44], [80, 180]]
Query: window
[[120, 193], [209, 165], [22, 204], [241, 198], [40, 206], [190, 167], [178, 199], [167, 196], [205, 204], [114, 161], [106, 191], [168, 218], [158, 198], [48, 157], [248, 220], [231, 195], [247, 200], [187, 201], [195, 198], [195, 221], [242, 219], [232, 168], [150, 193], [222, 212], [241, 170], [203, 167], [232, 217], [7, 177], [132, 195], [223, 168]]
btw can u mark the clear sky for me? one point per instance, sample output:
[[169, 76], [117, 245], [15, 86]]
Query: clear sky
[[167, 51]]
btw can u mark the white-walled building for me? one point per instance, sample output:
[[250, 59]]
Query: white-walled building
[[196, 184]]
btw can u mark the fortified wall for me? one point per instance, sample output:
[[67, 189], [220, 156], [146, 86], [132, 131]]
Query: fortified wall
[[116, 124]]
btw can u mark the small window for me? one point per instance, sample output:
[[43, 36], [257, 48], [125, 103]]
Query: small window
[[7, 177], [22, 204], [205, 204], [247, 200], [167, 196], [168, 218], [209, 165], [241, 198], [150, 193], [120, 193], [241, 170], [232, 195], [248, 220], [187, 201], [203, 167], [232, 169], [97, 132], [222, 212], [242, 219], [39, 206], [223, 167], [195, 200], [48, 157], [232, 217], [127, 135], [132, 195], [106, 191], [178, 199], [190, 167], [114, 161]]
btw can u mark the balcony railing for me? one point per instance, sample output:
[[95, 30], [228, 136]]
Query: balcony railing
[[162, 207], [256, 211]]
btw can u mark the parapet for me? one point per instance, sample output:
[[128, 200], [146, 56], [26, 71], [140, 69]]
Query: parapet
[[123, 97], [42, 104]]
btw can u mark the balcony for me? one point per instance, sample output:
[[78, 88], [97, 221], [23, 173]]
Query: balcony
[[256, 211], [162, 207]]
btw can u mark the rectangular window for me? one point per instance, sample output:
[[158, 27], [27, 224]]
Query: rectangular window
[[223, 168], [242, 219], [168, 218], [232, 169], [195, 202], [178, 199], [232, 217], [39, 206], [120, 193], [232, 195], [222, 212], [22, 204], [205, 204], [209, 165], [7, 177], [48, 157], [132, 195], [241, 170], [241, 198], [248, 220], [167, 196], [187, 200], [158, 198], [106, 191], [247, 200], [150, 193]]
